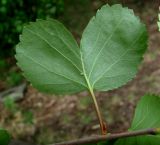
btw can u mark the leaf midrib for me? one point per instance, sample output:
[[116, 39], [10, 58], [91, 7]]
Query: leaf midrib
[[139, 123], [85, 75], [145, 116], [103, 46]]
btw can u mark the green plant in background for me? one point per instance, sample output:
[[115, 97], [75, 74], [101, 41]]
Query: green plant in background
[[3, 65], [9, 104], [27, 116], [13, 78], [111, 49], [13, 14], [5, 138]]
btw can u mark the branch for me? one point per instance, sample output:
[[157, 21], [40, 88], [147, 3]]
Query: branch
[[96, 139]]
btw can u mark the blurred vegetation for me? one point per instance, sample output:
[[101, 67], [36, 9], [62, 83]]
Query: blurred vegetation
[[13, 109], [4, 137], [9, 73], [13, 14]]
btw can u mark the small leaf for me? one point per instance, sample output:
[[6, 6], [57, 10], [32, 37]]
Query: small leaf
[[110, 51], [159, 22], [147, 115], [4, 137]]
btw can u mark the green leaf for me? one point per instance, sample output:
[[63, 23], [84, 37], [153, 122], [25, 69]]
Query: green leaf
[[159, 22], [50, 57], [143, 140], [110, 51], [147, 115], [4, 137], [112, 47]]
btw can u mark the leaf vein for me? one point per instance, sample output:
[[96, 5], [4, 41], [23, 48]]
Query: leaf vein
[[117, 60], [52, 71], [104, 46], [60, 39], [54, 48]]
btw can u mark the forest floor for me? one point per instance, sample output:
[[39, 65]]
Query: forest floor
[[46, 119]]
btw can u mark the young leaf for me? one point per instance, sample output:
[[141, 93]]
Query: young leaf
[[4, 137], [110, 51], [147, 115]]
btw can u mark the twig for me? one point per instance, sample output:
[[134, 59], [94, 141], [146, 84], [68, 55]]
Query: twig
[[96, 139]]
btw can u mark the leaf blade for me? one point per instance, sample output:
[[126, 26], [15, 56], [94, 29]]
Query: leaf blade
[[52, 50], [61, 63], [147, 113], [103, 29]]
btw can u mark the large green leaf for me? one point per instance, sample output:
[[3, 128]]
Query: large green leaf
[[110, 51], [147, 115], [50, 57], [4, 137], [112, 47]]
